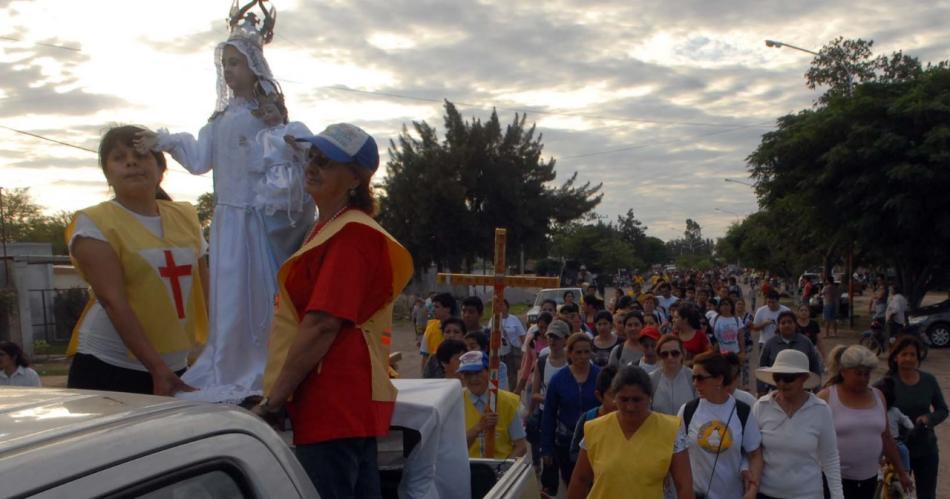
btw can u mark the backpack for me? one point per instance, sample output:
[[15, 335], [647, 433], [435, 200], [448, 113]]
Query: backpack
[[742, 410]]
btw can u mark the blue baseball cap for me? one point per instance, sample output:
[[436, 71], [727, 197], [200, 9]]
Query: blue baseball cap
[[473, 362], [346, 143]]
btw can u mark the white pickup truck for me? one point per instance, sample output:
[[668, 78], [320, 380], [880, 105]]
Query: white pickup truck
[[60, 443]]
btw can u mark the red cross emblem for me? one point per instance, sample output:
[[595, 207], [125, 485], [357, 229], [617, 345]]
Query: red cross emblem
[[172, 272]]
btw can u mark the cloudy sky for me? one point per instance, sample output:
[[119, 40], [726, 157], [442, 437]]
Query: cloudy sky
[[660, 101]]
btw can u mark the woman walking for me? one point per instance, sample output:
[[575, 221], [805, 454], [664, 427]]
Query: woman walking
[[860, 417], [918, 395], [799, 444]]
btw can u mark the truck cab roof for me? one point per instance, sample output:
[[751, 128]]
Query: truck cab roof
[[77, 443]]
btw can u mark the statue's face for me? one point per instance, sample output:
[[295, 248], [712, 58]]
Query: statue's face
[[237, 73]]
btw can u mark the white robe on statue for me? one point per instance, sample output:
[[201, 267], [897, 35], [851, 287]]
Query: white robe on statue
[[247, 248]]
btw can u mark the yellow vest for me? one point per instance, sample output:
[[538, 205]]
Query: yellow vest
[[377, 330], [161, 277], [432, 337], [633, 467], [507, 411]]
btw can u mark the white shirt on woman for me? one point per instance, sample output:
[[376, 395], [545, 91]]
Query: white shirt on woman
[[798, 449]]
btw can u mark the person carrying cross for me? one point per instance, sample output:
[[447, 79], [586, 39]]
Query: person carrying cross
[[143, 256]]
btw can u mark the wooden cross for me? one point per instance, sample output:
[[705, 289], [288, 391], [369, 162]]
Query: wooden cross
[[499, 280]]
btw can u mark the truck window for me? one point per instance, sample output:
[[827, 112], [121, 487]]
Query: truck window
[[218, 483]]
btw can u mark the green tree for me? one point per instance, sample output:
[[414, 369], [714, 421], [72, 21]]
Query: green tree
[[24, 221], [600, 246], [205, 209], [692, 244], [443, 198], [869, 169]]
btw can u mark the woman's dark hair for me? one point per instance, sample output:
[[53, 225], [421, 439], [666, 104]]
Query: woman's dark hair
[[902, 343], [624, 301], [15, 352], [449, 348], [362, 197], [732, 304], [564, 296], [480, 338], [733, 359], [447, 301], [603, 315], [633, 315], [632, 376], [552, 302], [124, 135], [786, 313], [715, 364], [545, 317], [570, 308], [605, 378], [474, 301], [690, 313], [886, 385], [454, 320]]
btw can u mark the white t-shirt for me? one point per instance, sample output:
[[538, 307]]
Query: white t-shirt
[[97, 335], [897, 306], [666, 302], [23, 376], [763, 314], [708, 433], [726, 330], [512, 332]]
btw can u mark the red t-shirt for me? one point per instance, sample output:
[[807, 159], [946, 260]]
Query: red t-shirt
[[348, 277], [698, 344]]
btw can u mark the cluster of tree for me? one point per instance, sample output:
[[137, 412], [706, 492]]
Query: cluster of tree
[[608, 247], [865, 170], [692, 251], [23, 220], [443, 198]]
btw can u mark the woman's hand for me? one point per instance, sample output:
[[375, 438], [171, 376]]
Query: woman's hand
[[167, 383], [145, 141], [923, 420], [906, 481]]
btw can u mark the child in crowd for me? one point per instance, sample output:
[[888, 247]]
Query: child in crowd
[[649, 336], [606, 398]]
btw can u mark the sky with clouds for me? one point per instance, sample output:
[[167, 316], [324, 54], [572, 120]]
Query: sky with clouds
[[660, 101]]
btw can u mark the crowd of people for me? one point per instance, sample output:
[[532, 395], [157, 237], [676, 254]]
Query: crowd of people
[[668, 366]]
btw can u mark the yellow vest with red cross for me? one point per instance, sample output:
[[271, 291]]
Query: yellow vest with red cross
[[161, 277], [377, 330]]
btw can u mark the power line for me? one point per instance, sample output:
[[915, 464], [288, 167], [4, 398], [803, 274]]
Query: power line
[[38, 136], [50, 45]]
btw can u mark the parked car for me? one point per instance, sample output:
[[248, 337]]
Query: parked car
[[556, 294], [934, 321], [62, 443]]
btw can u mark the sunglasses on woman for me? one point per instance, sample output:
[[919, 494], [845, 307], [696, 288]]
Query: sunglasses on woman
[[785, 377], [670, 353], [701, 377]]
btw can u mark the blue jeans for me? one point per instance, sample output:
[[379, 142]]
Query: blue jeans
[[342, 469], [905, 455]]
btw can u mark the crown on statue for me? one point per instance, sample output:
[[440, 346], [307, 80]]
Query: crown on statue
[[245, 25]]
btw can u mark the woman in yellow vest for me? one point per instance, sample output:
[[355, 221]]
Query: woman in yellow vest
[[630, 451], [329, 344], [143, 257]]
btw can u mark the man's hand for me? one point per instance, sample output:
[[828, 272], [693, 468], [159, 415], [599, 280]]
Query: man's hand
[[906, 481], [145, 141], [488, 422], [923, 420]]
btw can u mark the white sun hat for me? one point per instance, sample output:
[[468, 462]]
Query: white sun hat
[[788, 361]]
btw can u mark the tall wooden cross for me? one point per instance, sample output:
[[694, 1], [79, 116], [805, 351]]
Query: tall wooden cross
[[499, 280]]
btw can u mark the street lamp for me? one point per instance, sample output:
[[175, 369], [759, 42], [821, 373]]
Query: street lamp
[[777, 45], [734, 181]]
